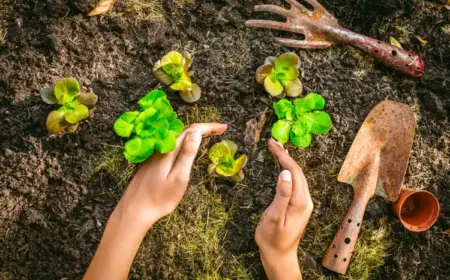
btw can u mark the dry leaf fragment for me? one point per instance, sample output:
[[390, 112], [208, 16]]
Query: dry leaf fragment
[[103, 6], [252, 133], [395, 43], [447, 232], [422, 41]]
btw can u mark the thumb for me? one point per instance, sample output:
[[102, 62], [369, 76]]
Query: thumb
[[181, 169], [277, 210]]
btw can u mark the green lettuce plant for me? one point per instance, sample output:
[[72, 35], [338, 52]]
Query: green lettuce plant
[[75, 105], [223, 162], [173, 70], [154, 127], [280, 75], [300, 120]]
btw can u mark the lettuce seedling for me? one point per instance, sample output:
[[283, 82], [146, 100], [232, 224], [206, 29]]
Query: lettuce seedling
[[154, 127], [173, 70], [75, 105], [223, 162], [299, 121], [280, 75]]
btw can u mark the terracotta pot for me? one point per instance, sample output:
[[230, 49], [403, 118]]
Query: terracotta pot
[[417, 210]]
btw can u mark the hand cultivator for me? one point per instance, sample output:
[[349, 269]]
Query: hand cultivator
[[322, 30]]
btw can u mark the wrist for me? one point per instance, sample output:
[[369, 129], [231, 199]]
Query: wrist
[[281, 267], [133, 219]]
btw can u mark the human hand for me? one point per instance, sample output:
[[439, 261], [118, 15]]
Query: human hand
[[282, 224], [161, 181]]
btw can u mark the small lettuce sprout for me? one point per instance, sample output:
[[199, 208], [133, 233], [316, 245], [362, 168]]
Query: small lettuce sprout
[[155, 127], [75, 105], [223, 162], [299, 121], [280, 76], [173, 70]]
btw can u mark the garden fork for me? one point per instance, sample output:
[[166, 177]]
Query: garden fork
[[322, 30]]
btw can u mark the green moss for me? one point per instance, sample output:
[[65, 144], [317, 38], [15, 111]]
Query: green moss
[[196, 114], [111, 160], [192, 238]]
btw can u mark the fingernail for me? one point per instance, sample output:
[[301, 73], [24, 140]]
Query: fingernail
[[286, 176], [195, 135]]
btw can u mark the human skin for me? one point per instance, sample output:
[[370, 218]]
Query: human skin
[[282, 224], [155, 192]]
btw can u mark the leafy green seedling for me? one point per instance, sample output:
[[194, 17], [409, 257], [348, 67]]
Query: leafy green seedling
[[223, 162], [299, 121], [75, 105], [154, 127], [173, 70], [280, 75]]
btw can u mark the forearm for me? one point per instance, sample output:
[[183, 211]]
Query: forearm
[[118, 247], [282, 269]]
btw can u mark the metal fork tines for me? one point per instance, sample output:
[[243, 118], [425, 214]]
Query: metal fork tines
[[301, 20]]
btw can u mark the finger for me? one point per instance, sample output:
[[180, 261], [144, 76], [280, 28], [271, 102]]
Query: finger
[[300, 191], [209, 129], [277, 209], [181, 170], [206, 129]]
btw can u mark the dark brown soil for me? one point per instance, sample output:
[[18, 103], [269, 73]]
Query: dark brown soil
[[52, 212]]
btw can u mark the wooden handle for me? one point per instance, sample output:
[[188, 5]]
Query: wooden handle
[[341, 249], [401, 60]]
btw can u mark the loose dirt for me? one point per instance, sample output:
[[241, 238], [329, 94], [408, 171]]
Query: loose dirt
[[53, 207]]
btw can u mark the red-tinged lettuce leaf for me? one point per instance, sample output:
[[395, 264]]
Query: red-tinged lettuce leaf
[[88, 99], [262, 72], [56, 123], [192, 94]]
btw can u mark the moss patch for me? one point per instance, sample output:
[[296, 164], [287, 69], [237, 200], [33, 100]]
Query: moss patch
[[194, 235], [110, 161], [196, 114]]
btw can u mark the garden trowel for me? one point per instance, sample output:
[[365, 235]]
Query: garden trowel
[[375, 165]]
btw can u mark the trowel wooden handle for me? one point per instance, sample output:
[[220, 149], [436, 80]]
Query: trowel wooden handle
[[341, 249]]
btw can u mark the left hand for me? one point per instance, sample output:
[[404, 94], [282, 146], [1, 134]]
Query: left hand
[[160, 183], [282, 224]]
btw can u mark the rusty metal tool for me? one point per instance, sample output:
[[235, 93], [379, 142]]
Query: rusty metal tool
[[322, 30], [375, 165]]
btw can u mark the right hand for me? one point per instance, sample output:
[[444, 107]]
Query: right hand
[[282, 224], [160, 183]]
